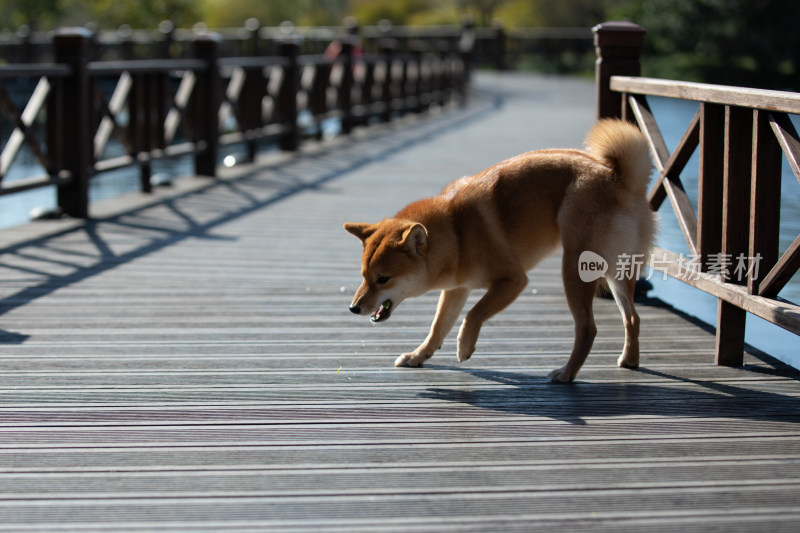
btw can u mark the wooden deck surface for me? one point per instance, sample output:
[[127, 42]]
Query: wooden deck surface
[[187, 362]]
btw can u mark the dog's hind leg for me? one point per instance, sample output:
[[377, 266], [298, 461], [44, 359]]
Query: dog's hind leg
[[623, 291], [451, 302], [580, 295]]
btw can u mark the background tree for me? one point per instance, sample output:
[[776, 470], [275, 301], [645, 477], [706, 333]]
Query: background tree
[[736, 42], [35, 14]]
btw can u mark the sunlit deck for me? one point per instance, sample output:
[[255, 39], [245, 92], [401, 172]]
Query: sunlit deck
[[187, 362]]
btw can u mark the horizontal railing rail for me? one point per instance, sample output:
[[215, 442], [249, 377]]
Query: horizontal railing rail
[[741, 135], [105, 115]]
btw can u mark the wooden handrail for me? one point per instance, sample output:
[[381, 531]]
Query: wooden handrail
[[50, 70], [143, 66], [781, 101]]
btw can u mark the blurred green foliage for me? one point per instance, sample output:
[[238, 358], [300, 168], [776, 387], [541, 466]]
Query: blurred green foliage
[[738, 42], [753, 43]]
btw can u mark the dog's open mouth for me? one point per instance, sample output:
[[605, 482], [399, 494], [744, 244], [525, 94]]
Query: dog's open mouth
[[383, 312]]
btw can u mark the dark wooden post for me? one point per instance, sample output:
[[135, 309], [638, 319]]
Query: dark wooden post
[[25, 47], [207, 102], [709, 190], [735, 228], [167, 30], [253, 27], [765, 200], [125, 36], [138, 108], [499, 47], [287, 96], [250, 103], [72, 46], [619, 47], [346, 85], [466, 46], [417, 49], [388, 46]]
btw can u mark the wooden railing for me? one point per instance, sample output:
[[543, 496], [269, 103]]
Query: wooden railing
[[155, 109], [733, 237]]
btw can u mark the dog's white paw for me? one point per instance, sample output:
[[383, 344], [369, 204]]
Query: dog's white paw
[[464, 354], [410, 360], [560, 375], [626, 361], [466, 344]]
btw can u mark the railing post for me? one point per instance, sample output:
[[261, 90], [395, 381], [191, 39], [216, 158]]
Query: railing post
[[417, 49], [619, 47], [208, 99], [709, 189], [735, 229], [253, 27], [346, 85], [287, 96], [466, 46], [167, 30], [765, 201], [72, 46], [499, 47], [388, 47]]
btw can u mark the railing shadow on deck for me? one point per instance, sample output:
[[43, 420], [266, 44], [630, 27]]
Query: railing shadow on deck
[[252, 189]]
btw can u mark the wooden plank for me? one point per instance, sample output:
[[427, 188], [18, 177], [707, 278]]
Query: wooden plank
[[735, 220], [709, 193], [778, 311], [765, 202], [767, 100]]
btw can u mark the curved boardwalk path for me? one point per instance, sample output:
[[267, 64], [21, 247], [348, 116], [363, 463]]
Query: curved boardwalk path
[[187, 363]]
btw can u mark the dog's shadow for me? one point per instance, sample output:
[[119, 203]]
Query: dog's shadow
[[578, 403]]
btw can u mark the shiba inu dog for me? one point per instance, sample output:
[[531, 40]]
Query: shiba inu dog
[[486, 231]]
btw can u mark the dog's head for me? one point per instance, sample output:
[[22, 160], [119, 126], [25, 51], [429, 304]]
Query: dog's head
[[392, 264]]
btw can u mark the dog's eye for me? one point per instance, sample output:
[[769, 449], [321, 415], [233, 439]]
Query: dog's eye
[[383, 280]]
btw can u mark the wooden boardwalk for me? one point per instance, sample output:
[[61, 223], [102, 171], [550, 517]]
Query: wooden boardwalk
[[187, 362]]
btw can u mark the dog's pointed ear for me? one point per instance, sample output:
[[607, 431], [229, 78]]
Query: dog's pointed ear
[[360, 230], [415, 239]]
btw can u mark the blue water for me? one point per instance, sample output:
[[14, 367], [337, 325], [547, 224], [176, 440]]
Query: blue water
[[673, 117], [17, 208]]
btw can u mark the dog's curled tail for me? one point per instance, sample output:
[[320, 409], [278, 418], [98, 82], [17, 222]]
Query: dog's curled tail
[[622, 146]]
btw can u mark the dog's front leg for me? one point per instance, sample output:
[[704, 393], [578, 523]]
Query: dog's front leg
[[498, 297], [450, 304]]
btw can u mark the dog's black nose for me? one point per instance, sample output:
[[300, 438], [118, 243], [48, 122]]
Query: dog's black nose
[[355, 309]]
